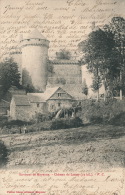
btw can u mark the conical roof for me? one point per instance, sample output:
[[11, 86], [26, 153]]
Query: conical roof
[[35, 34]]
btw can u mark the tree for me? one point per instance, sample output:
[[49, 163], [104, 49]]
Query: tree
[[9, 74], [96, 84], [3, 154], [99, 55], [63, 54], [60, 81], [97, 49], [50, 68], [117, 27], [27, 81], [85, 88]]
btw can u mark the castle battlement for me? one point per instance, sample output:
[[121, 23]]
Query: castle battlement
[[34, 42]]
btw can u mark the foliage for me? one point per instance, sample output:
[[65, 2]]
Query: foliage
[[119, 119], [117, 28], [66, 123], [9, 74], [103, 53], [101, 112], [43, 117], [27, 81], [3, 154], [13, 126], [60, 81], [63, 54], [85, 88], [50, 68], [54, 124], [98, 49], [96, 83], [13, 123]]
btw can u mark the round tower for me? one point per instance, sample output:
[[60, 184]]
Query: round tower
[[34, 58]]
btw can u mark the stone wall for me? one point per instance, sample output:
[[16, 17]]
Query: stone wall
[[71, 73]]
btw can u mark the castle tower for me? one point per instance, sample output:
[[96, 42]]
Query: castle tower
[[34, 58]]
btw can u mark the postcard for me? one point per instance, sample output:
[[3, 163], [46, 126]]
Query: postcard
[[62, 97]]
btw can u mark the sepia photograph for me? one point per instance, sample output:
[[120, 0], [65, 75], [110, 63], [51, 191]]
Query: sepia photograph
[[62, 97]]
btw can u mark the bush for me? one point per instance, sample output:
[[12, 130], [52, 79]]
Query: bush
[[118, 119], [66, 123], [43, 117], [96, 120], [102, 112], [14, 123], [59, 124], [3, 154], [55, 124]]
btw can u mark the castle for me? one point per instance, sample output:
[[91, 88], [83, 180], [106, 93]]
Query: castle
[[32, 56], [59, 88]]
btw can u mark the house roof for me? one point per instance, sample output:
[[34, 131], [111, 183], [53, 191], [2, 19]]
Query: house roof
[[75, 91], [36, 97], [43, 97], [25, 100], [21, 100], [49, 92]]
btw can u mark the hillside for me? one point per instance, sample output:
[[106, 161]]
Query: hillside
[[88, 160], [102, 146]]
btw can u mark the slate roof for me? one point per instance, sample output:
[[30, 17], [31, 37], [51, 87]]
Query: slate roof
[[75, 91], [36, 97], [42, 97], [49, 92], [25, 100], [21, 100]]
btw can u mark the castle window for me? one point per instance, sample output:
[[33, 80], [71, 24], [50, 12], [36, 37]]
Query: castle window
[[59, 94], [37, 105], [28, 39]]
